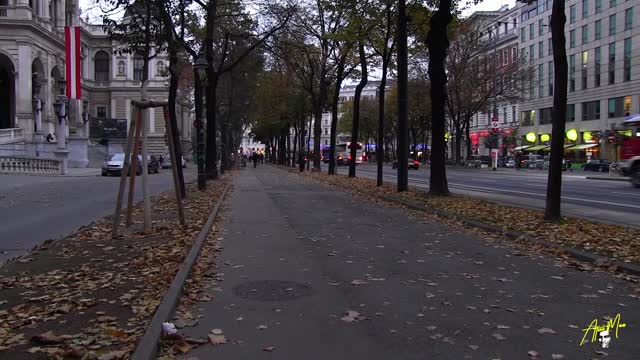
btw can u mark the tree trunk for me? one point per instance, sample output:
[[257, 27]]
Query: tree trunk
[[173, 121], [438, 43], [458, 141], [334, 114], [295, 145], [301, 147], [212, 84], [380, 139], [356, 109], [468, 138], [309, 145], [403, 130], [559, 111], [289, 157]]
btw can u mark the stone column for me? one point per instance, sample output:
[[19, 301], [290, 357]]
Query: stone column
[[61, 153], [152, 121]]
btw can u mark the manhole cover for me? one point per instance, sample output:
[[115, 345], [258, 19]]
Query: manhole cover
[[272, 290]]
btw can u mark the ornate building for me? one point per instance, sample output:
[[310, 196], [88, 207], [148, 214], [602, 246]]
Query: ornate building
[[32, 61]]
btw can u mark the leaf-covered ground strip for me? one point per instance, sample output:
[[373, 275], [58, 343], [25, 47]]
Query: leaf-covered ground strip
[[615, 241], [90, 296]]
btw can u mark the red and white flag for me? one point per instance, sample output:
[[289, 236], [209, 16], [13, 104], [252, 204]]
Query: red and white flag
[[72, 46]]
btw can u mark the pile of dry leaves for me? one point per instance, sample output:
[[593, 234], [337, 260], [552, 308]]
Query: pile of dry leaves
[[615, 241], [90, 296]]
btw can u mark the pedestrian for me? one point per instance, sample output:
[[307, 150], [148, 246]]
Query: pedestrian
[[569, 165], [254, 156]]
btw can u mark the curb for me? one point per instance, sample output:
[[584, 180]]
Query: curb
[[581, 255], [608, 178], [147, 348]]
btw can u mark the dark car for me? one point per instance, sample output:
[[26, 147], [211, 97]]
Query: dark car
[[597, 165], [412, 164], [114, 165]]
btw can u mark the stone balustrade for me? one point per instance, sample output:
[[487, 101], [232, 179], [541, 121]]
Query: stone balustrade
[[25, 165], [11, 135]]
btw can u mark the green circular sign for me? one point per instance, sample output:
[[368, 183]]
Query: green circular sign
[[572, 135], [531, 137]]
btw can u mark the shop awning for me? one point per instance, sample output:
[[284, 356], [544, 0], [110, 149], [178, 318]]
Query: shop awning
[[566, 147], [536, 148], [583, 146], [520, 148]]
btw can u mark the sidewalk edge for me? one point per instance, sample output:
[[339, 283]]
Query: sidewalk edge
[[629, 268], [147, 348]]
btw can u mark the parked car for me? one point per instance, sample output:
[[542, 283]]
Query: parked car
[[412, 164], [597, 165], [166, 161], [113, 166], [511, 163]]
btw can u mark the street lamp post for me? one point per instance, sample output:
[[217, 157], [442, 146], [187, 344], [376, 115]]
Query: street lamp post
[[60, 108], [201, 69]]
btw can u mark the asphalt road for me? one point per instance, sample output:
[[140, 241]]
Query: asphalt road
[[605, 201], [36, 208], [307, 272]]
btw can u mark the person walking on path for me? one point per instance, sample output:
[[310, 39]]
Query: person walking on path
[[254, 156]]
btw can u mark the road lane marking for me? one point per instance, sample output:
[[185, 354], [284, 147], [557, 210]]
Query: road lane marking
[[487, 189]]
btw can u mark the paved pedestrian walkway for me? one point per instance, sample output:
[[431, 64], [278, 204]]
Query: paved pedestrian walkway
[[313, 273]]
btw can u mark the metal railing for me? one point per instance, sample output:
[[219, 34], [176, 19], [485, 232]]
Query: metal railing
[[24, 165]]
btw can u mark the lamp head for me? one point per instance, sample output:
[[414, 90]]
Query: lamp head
[[62, 84], [201, 65]]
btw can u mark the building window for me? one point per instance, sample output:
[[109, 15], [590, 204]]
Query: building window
[[528, 118], [572, 73], [572, 14], [504, 115], [585, 9], [545, 116], [531, 52], [540, 80], [551, 79], [571, 112], [612, 63], [591, 110], [585, 61], [572, 38], [514, 54], [596, 75], [628, 19], [612, 24], [531, 33], [326, 131], [619, 107], [540, 27], [585, 35], [627, 60], [101, 66], [540, 49], [122, 68], [598, 5], [505, 57], [598, 31], [523, 35], [549, 47], [101, 112], [513, 114], [612, 3], [138, 67]]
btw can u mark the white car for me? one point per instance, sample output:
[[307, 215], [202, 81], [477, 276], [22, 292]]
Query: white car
[[165, 161], [511, 163]]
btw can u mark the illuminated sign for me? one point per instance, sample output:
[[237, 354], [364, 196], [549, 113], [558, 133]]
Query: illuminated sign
[[531, 137], [587, 136], [544, 137], [572, 135]]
